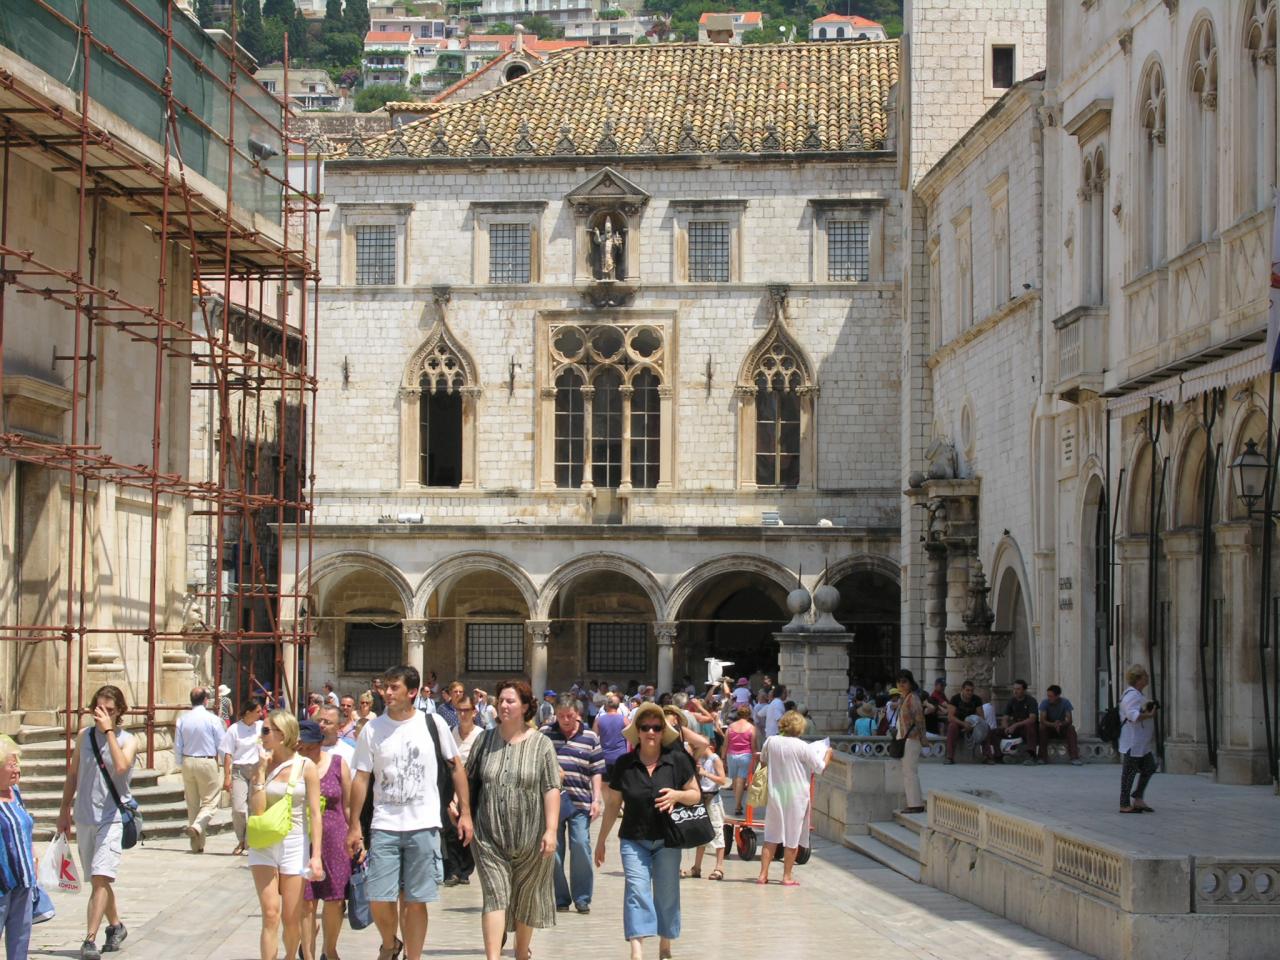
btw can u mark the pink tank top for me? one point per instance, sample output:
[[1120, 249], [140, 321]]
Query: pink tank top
[[740, 741]]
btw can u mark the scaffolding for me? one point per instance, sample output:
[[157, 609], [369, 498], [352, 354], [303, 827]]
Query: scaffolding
[[132, 105]]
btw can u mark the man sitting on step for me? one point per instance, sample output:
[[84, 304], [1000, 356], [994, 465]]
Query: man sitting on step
[[1055, 723], [965, 719], [1021, 719]]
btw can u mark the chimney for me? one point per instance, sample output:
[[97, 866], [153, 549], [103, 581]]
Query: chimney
[[719, 28], [519, 48]]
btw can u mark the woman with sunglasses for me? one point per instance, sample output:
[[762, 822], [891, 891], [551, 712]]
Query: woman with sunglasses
[[280, 869], [646, 785]]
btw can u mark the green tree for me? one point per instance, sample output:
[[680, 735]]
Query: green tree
[[541, 26], [249, 28], [501, 28], [282, 10], [356, 14], [342, 49], [377, 95], [273, 34], [333, 16], [204, 12]]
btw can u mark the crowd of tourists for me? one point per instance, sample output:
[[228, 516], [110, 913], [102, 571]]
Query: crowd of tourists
[[365, 805]]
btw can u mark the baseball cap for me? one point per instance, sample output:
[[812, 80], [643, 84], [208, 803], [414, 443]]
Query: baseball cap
[[309, 732], [548, 693]]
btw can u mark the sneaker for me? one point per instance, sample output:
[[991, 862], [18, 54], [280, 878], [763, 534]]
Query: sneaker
[[560, 909], [89, 951], [115, 937], [1077, 762], [584, 908], [451, 881]]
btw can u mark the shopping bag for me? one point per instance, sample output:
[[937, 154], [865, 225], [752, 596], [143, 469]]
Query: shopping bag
[[358, 913], [57, 869]]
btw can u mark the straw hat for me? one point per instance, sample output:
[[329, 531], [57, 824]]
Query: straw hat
[[651, 710], [867, 710]]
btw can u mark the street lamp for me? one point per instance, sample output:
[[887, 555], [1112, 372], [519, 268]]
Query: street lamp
[[1250, 473]]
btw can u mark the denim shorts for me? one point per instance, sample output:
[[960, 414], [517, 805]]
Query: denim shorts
[[405, 861], [739, 766]]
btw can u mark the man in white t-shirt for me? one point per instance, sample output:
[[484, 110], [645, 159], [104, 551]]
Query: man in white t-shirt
[[400, 752], [774, 711]]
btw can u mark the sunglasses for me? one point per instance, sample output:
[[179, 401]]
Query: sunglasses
[[651, 727]]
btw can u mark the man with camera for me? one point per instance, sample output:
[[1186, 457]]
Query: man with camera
[[1137, 740]]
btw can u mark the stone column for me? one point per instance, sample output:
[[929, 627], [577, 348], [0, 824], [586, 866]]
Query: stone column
[[935, 610], [957, 601], [665, 633], [624, 483], [666, 438], [1242, 744], [1185, 746], [813, 667], [470, 413], [588, 401], [540, 635], [415, 644]]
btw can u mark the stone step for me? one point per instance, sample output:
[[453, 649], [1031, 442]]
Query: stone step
[[37, 789], [155, 828], [915, 822], [904, 841], [30, 735], [884, 854]]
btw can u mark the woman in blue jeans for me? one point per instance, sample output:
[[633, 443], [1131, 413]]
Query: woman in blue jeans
[[650, 780], [17, 866]]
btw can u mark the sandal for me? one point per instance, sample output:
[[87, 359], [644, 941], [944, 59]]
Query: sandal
[[1130, 810], [1143, 808], [791, 883], [694, 872], [715, 875]]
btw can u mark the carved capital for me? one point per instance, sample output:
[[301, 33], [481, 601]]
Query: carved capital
[[415, 631], [1266, 55], [410, 393], [745, 391], [547, 393], [588, 393], [471, 393], [539, 631], [626, 391], [665, 392], [665, 632], [1209, 100]]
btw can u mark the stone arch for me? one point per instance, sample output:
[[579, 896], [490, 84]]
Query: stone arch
[[1137, 490], [586, 563], [696, 577], [439, 396], [835, 572], [1095, 616], [778, 352], [1188, 468], [1199, 180], [458, 564], [442, 358], [360, 560], [1015, 612]]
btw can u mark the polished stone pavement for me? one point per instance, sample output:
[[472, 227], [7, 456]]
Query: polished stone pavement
[[178, 905], [1194, 815]]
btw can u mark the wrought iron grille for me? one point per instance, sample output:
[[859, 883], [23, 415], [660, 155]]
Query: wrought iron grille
[[509, 253], [372, 647], [375, 254], [849, 250], [495, 647], [709, 251], [617, 648]]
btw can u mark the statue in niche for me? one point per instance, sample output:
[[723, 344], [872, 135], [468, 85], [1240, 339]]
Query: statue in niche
[[609, 245]]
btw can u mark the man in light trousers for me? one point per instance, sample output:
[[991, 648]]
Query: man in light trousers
[[195, 749]]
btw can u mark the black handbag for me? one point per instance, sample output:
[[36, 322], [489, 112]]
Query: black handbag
[[896, 749], [689, 827], [130, 818]]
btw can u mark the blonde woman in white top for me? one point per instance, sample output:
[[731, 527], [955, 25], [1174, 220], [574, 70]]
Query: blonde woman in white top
[[280, 869], [1137, 737]]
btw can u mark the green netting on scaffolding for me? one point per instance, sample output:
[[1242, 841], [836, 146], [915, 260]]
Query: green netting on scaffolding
[[126, 77]]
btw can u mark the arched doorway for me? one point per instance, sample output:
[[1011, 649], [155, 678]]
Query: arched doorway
[[602, 629], [733, 616], [870, 609], [358, 631], [1098, 686], [1011, 617], [476, 628]]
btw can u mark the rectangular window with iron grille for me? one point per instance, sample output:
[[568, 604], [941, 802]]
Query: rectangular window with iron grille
[[509, 251], [709, 251], [495, 647], [849, 250], [372, 647], [617, 648], [376, 254]]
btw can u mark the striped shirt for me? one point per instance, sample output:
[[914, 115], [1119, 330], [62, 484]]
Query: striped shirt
[[17, 870], [581, 758]]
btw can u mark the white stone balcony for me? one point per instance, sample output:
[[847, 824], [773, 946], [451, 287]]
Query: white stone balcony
[[1146, 309], [1193, 289], [1081, 351], [1244, 271]]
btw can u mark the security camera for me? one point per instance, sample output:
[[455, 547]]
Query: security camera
[[262, 151]]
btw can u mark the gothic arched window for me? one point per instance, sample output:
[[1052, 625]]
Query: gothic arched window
[[1093, 229], [1151, 169], [1256, 148], [438, 413], [776, 389], [611, 412], [1200, 185]]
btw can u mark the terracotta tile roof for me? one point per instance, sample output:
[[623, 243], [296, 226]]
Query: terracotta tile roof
[[411, 106], [669, 99], [375, 36], [841, 18], [751, 18]]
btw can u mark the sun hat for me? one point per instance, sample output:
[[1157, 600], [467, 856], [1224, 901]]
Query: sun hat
[[867, 710], [309, 732], [744, 682], [895, 692], [224, 691], [632, 730]]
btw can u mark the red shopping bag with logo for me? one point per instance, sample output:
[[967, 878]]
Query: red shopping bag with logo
[[57, 870]]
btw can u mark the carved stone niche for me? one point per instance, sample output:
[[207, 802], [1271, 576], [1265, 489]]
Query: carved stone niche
[[607, 209]]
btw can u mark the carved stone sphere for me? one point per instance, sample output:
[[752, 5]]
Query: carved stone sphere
[[826, 598], [798, 601], [916, 479]]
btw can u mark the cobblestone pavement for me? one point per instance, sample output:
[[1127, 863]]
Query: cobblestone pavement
[[178, 905]]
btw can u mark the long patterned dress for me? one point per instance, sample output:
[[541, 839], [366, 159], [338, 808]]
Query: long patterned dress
[[514, 875], [334, 856]]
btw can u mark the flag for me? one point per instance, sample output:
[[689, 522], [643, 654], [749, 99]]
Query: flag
[[1273, 319]]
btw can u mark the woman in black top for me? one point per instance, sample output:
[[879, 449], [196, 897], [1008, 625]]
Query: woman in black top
[[651, 780]]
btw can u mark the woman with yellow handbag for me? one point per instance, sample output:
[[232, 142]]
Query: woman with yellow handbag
[[285, 795]]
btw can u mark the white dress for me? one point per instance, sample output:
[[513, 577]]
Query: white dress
[[791, 763]]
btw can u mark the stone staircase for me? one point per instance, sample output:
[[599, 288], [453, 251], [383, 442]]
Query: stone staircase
[[896, 843], [44, 762]]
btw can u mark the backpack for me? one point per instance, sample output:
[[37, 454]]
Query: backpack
[[1109, 725], [444, 769]]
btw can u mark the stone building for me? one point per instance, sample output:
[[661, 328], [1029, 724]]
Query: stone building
[[1162, 166], [611, 361]]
